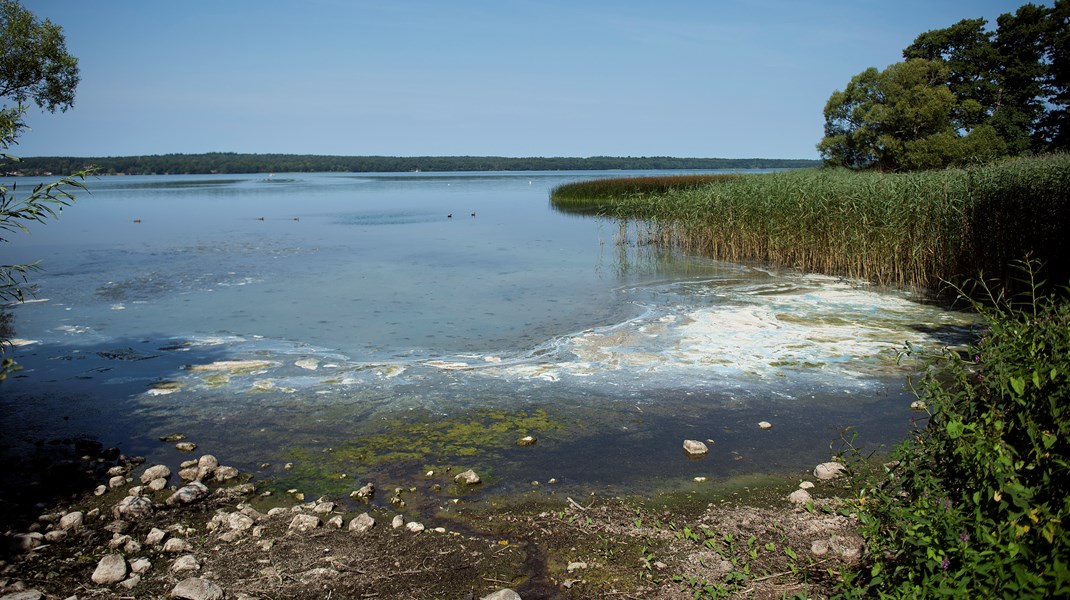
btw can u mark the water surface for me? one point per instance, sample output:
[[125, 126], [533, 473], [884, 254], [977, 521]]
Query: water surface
[[376, 325]]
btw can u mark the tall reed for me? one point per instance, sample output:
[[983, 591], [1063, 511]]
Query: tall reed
[[911, 230]]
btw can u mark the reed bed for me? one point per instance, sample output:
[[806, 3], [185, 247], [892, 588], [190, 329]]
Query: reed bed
[[601, 196], [907, 230]]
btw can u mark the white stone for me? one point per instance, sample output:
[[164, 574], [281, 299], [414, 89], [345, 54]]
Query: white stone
[[188, 494], [155, 472], [305, 523], [177, 546], [111, 569], [765, 425], [71, 520], [132, 507], [695, 448], [799, 497], [196, 588], [829, 470], [155, 537], [469, 477], [414, 527], [362, 523], [140, 565], [505, 594], [806, 485], [186, 562], [398, 521]]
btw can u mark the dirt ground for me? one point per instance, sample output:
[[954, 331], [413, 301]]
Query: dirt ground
[[539, 545]]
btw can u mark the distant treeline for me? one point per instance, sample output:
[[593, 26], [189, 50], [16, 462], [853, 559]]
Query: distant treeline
[[229, 162]]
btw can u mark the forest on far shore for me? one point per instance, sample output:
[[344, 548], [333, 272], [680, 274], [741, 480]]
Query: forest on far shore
[[231, 162]]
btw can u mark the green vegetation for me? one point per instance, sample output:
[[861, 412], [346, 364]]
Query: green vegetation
[[977, 502], [965, 94], [229, 162], [598, 196], [34, 65], [909, 229]]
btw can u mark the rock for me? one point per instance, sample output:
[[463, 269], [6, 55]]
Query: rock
[[173, 437], [469, 477], [305, 523], [185, 446], [364, 493], [71, 520], [829, 470], [225, 473], [100, 490], [278, 510], [239, 522], [799, 497], [765, 425], [186, 562], [140, 565], [576, 566], [188, 494], [819, 547], [190, 474], [918, 405], [196, 588], [155, 537], [505, 594], [806, 485], [155, 472], [415, 527], [695, 448], [52, 537], [24, 595], [24, 542], [157, 484], [135, 491], [177, 546], [527, 440], [323, 508], [116, 482], [131, 582], [111, 569], [116, 470], [208, 461], [398, 521], [118, 540], [362, 523], [133, 508], [335, 522], [236, 491]]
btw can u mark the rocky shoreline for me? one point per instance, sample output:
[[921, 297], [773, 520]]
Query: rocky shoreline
[[205, 532]]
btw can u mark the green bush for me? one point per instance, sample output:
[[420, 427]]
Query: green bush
[[975, 503]]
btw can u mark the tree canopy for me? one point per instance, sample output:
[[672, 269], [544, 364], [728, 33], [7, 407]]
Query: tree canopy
[[963, 94]]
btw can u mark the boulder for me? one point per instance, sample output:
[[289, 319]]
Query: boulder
[[71, 520]]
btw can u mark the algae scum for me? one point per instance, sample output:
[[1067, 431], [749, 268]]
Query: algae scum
[[333, 347]]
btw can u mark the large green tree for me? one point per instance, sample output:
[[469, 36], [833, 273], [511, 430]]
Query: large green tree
[[984, 93], [34, 67]]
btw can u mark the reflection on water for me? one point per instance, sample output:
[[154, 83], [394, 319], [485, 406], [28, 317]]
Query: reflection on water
[[273, 318]]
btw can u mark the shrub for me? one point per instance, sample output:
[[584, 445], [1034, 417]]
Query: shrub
[[976, 503]]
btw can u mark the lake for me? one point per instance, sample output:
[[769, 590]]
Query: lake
[[325, 329]]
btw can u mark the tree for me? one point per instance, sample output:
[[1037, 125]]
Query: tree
[[34, 66], [1008, 91]]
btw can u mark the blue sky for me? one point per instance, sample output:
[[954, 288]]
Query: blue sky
[[713, 78]]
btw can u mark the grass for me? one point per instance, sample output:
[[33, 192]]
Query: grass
[[909, 230]]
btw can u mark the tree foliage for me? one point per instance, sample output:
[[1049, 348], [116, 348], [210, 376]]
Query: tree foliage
[[34, 66], [964, 94]]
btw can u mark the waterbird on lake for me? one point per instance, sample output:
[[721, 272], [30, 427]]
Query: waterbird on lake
[[473, 214], [449, 216], [260, 218], [137, 220], [297, 218]]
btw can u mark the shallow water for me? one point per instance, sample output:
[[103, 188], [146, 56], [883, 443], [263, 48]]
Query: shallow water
[[320, 319]]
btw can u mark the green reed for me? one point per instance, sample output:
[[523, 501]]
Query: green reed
[[600, 196], [912, 229]]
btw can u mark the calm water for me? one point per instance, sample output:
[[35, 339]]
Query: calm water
[[335, 320]]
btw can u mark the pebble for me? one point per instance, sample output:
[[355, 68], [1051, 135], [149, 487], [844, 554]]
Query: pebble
[[765, 425], [186, 562], [155, 472], [188, 494], [305, 523], [177, 546], [71, 520], [185, 446], [415, 527], [505, 594], [398, 521], [799, 497]]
